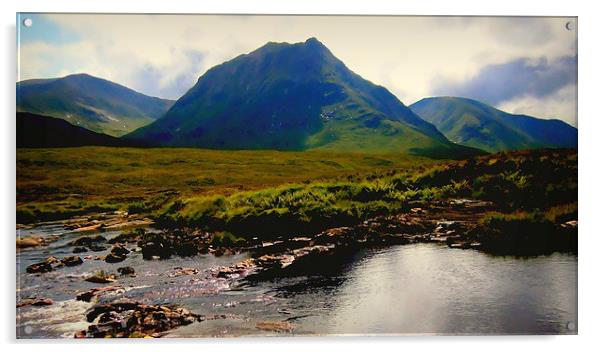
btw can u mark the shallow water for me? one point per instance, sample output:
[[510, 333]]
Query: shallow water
[[411, 289]]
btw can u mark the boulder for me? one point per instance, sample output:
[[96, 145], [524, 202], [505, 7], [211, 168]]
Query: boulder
[[114, 258], [72, 261], [80, 250]]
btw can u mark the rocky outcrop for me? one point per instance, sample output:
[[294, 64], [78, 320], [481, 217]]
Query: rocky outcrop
[[125, 318]]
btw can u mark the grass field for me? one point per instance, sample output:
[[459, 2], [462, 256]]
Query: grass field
[[59, 183]]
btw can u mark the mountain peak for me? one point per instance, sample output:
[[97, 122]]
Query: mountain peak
[[293, 96]]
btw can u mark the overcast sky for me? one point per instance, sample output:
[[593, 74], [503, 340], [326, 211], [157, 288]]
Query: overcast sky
[[520, 65]]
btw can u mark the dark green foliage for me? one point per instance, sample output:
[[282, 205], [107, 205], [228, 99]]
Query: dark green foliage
[[478, 125], [524, 233]]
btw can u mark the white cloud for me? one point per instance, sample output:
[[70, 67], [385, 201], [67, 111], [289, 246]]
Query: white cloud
[[404, 54], [561, 105]]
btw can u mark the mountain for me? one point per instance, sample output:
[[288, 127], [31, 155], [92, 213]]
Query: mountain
[[35, 131], [475, 124], [94, 103], [294, 97]]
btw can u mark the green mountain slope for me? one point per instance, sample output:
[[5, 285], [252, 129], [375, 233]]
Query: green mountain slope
[[472, 123], [294, 97], [96, 104]]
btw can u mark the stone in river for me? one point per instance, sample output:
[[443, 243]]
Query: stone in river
[[35, 301], [72, 261]]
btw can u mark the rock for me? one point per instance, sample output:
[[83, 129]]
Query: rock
[[125, 318], [35, 301], [87, 240], [101, 278], [126, 270], [35, 241], [43, 267], [114, 258], [88, 295], [80, 250], [179, 271], [72, 261], [97, 248], [276, 326], [119, 250], [29, 242], [152, 249]]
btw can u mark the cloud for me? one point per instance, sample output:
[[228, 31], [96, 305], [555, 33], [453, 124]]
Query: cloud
[[518, 78], [164, 55], [562, 105]]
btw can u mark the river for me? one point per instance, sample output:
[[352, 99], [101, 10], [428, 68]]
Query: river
[[406, 289]]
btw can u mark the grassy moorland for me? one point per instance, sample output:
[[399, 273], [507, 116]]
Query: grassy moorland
[[268, 194], [532, 190], [59, 183]]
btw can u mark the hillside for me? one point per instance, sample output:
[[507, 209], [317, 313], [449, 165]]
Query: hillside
[[475, 124], [94, 103]]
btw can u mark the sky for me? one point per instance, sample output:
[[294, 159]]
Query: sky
[[522, 65]]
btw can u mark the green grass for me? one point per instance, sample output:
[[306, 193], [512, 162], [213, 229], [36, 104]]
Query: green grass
[[59, 183], [522, 181]]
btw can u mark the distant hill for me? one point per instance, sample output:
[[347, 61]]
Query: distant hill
[[294, 97], [94, 103], [475, 124], [35, 131]]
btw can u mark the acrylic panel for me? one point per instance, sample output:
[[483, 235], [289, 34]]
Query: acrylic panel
[[200, 176]]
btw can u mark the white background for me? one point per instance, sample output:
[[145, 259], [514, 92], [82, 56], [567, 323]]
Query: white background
[[590, 149]]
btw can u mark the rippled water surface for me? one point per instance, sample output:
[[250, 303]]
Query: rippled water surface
[[411, 289]]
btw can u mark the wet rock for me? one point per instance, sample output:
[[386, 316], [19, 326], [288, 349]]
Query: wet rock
[[115, 258], [275, 326], [88, 295], [101, 278], [35, 241], [97, 248], [43, 267], [80, 250], [150, 250], [35, 301], [119, 250], [87, 240], [125, 318], [179, 271], [126, 270], [72, 261]]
